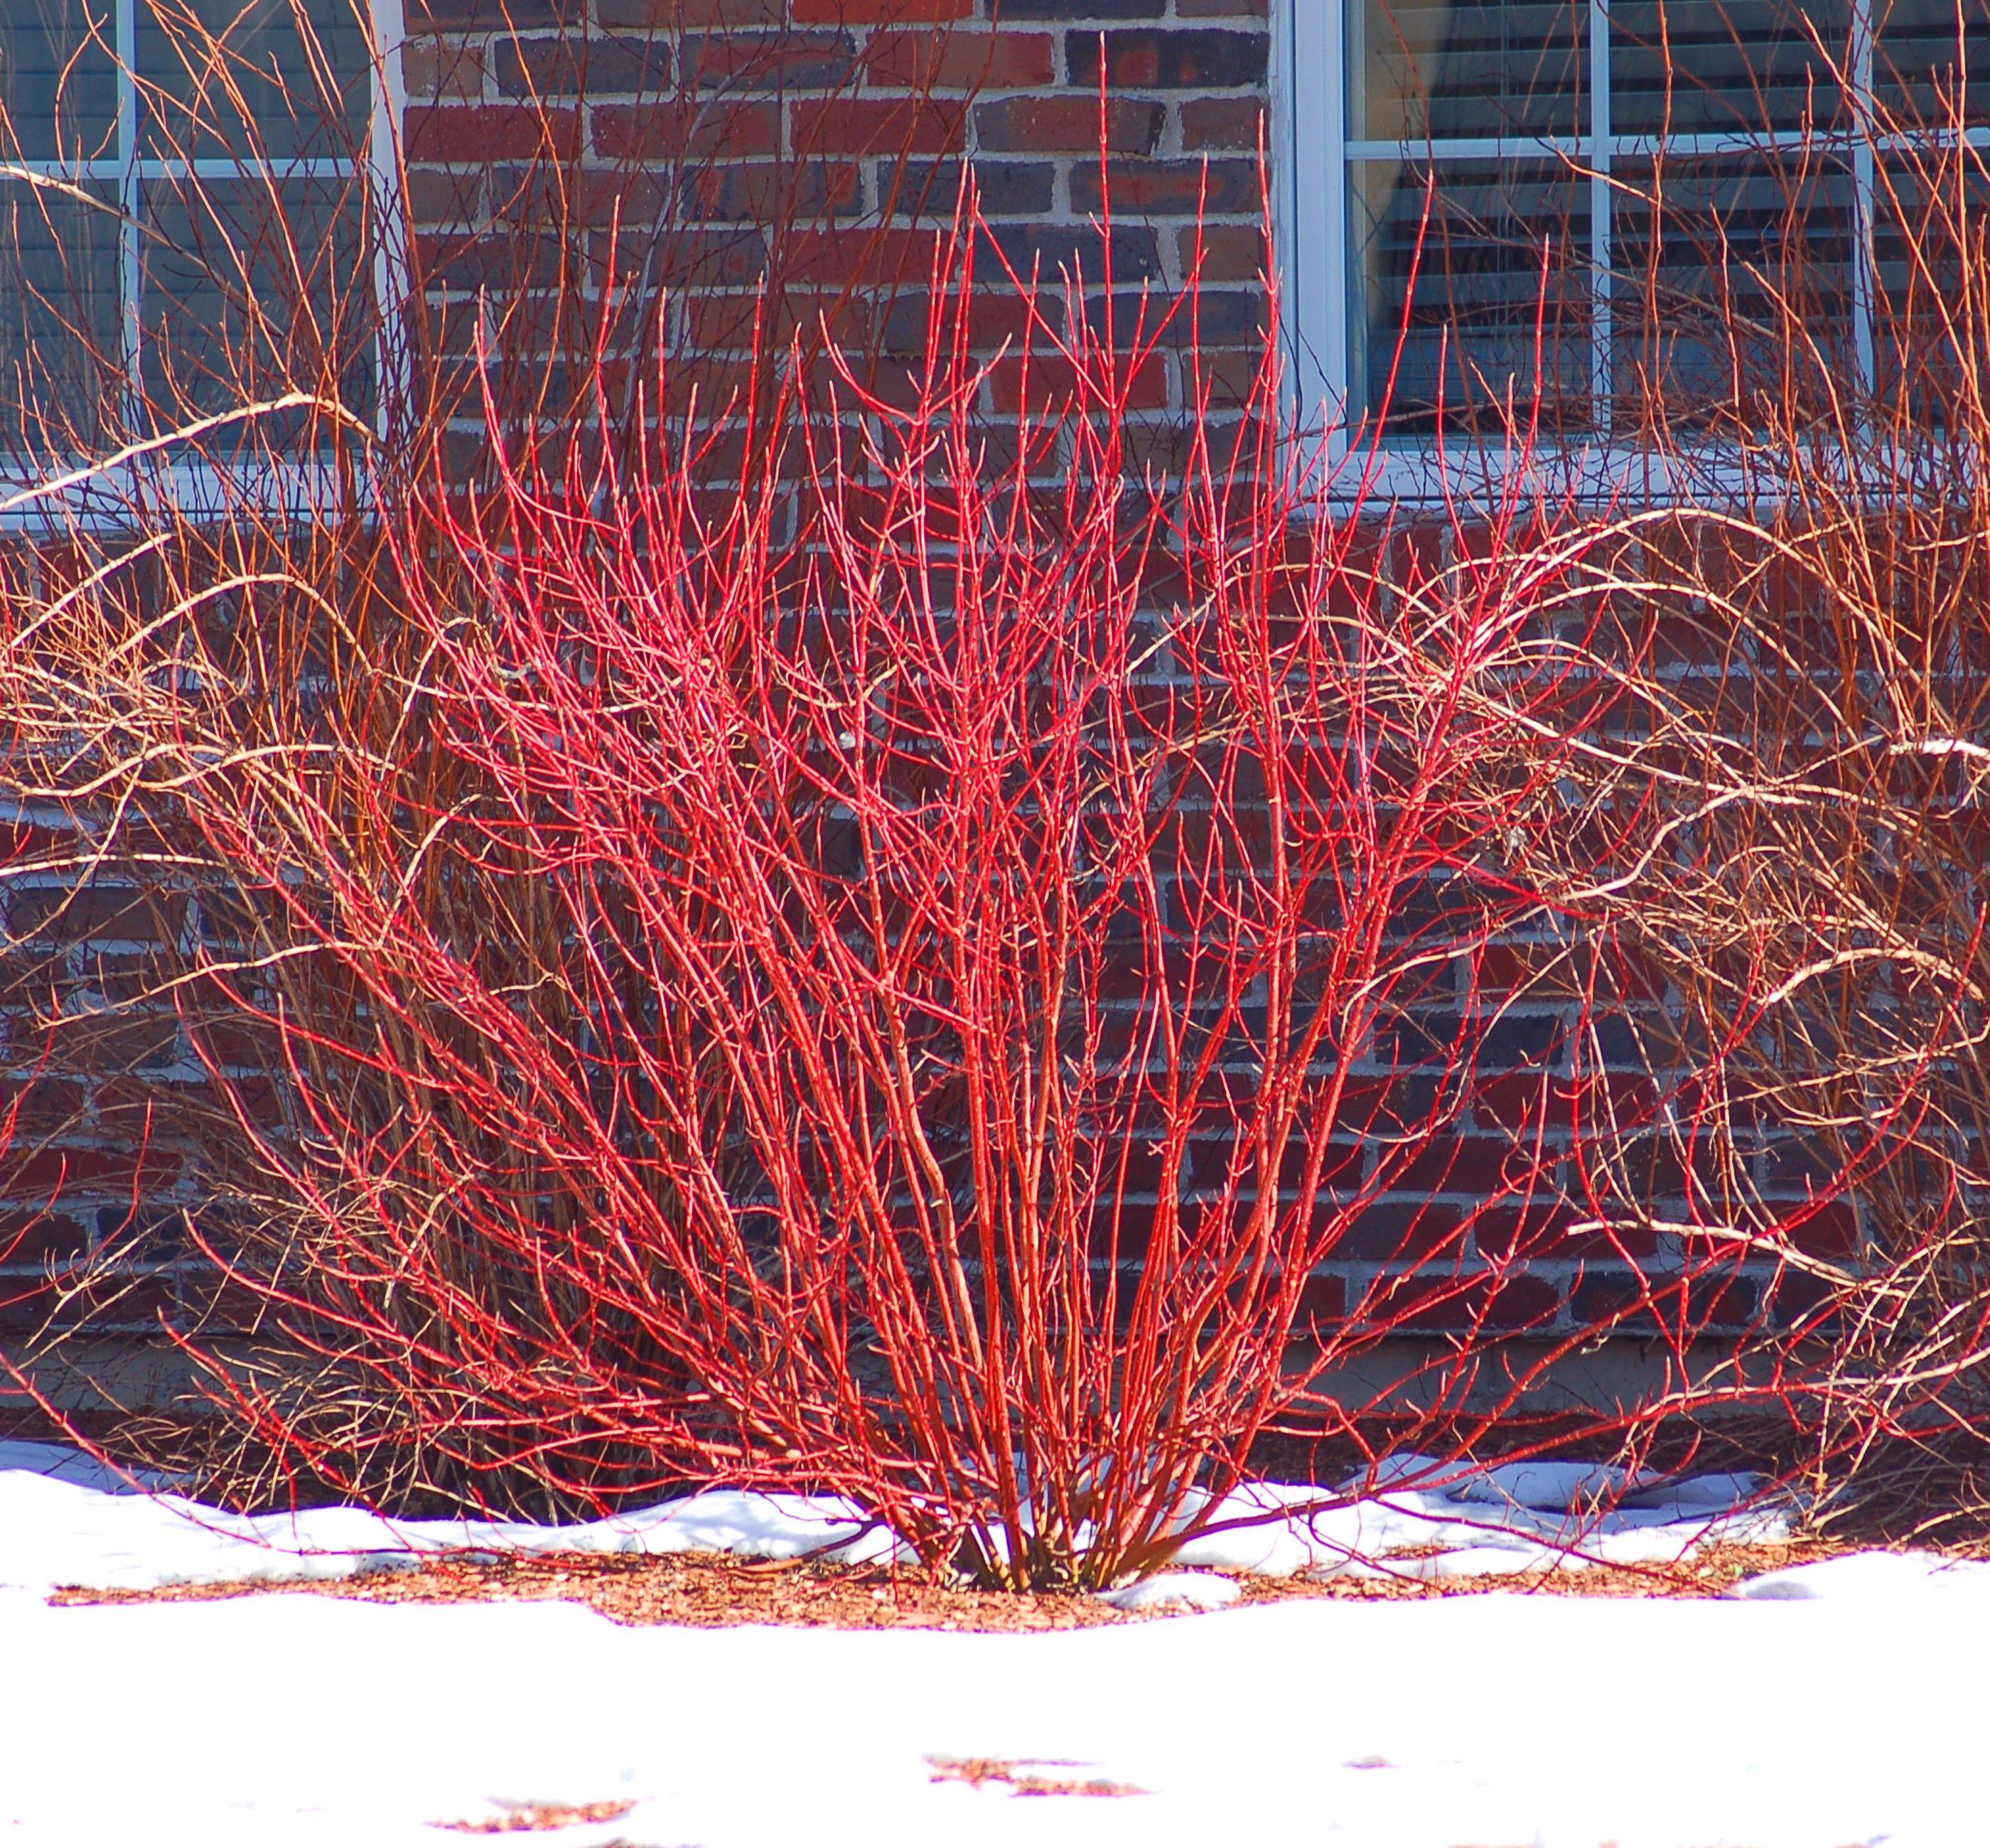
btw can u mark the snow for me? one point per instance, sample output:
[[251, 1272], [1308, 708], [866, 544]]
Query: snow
[[65, 1519], [1188, 1591], [1878, 1578], [1509, 1519], [305, 1722], [1827, 1705]]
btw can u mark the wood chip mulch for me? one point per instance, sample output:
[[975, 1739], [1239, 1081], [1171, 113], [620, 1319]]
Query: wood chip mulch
[[712, 1591], [536, 1818], [1021, 1782]]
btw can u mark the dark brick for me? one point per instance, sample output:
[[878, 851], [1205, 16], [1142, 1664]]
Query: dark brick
[[502, 263], [1718, 1301], [1067, 125], [1055, 248], [1401, 1233], [1541, 1231], [1090, 10], [1501, 1045], [1614, 1298], [785, 60], [766, 191], [1798, 1298], [1454, 1302], [1203, 59], [576, 65], [40, 1238], [98, 913], [1007, 187]]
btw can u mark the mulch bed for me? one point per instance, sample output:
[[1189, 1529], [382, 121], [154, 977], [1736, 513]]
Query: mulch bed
[[712, 1591]]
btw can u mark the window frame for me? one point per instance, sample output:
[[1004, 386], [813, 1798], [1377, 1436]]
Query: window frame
[[103, 491], [1311, 218]]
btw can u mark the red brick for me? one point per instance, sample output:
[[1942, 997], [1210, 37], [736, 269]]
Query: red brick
[[1090, 10], [468, 133], [1051, 383], [1183, 187], [817, 258], [1323, 1306], [1478, 1165], [41, 1239], [787, 60], [671, 128], [454, 15], [1830, 1231], [864, 125], [50, 1176], [22, 841]]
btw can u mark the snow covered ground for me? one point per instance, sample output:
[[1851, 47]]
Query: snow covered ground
[[1828, 1705], [64, 1520]]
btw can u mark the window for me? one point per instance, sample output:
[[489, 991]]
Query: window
[[1567, 209], [185, 205]]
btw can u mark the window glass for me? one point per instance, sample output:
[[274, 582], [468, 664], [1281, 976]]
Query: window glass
[[1646, 241], [1929, 222], [1931, 60], [1427, 71], [60, 366], [1475, 276], [249, 288], [227, 261], [265, 80], [1712, 255], [1738, 67], [58, 80]]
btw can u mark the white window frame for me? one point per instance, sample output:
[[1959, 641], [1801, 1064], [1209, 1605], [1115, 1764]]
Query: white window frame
[[1309, 82], [103, 491]]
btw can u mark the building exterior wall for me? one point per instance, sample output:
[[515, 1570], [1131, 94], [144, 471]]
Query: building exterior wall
[[707, 146], [721, 142]]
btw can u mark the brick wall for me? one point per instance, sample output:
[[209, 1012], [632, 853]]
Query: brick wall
[[728, 144], [718, 147]]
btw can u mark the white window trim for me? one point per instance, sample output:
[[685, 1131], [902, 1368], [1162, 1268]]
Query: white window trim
[[1313, 153], [105, 492]]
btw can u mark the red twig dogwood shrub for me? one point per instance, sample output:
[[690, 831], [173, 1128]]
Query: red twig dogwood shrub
[[892, 977]]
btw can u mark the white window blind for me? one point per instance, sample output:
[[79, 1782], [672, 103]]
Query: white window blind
[[1561, 209]]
